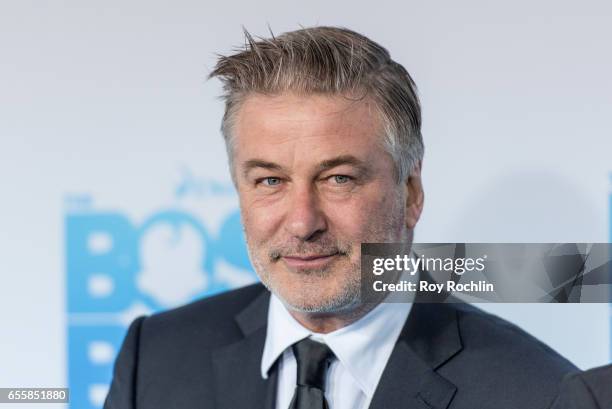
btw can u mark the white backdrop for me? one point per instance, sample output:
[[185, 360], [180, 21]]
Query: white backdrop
[[106, 103]]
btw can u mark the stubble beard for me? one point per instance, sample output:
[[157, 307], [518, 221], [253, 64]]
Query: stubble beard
[[347, 297]]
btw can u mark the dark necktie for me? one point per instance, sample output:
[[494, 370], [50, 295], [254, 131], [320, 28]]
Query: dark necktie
[[312, 358]]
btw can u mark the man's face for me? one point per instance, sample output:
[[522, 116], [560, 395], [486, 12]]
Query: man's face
[[314, 183]]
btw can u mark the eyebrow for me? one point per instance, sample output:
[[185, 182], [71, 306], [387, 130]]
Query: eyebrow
[[343, 160], [251, 164], [327, 164]]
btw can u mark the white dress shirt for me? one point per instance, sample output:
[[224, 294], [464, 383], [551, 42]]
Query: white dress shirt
[[362, 350]]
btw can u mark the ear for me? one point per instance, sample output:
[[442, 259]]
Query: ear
[[414, 197]]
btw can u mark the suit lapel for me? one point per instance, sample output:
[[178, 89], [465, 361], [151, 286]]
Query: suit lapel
[[428, 340], [237, 366]]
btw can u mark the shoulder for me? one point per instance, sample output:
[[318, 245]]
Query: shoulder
[[504, 363], [484, 332], [209, 321], [480, 328]]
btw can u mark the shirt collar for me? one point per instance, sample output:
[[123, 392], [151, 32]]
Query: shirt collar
[[363, 348], [283, 331]]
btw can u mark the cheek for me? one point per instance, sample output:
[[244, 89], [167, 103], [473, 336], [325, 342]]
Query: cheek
[[259, 222], [360, 218], [351, 220]]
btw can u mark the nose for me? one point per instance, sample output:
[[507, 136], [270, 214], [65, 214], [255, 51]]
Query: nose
[[305, 219]]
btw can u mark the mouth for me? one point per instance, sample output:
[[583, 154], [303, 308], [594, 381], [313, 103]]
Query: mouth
[[309, 261]]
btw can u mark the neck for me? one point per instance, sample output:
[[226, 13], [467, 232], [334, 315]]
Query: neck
[[324, 323]]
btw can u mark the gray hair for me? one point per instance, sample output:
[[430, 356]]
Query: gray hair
[[332, 61]]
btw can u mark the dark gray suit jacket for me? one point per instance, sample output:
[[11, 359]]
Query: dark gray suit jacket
[[586, 390], [207, 355]]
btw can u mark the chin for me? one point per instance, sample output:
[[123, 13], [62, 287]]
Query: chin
[[314, 291], [311, 300]]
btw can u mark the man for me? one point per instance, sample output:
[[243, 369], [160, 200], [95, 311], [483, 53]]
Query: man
[[322, 130], [591, 389]]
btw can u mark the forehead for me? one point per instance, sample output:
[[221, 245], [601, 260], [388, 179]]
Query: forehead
[[313, 125]]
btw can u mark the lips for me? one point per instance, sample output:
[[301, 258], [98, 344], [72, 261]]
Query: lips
[[309, 261]]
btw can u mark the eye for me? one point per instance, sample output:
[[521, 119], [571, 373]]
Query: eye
[[341, 179], [270, 181]]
